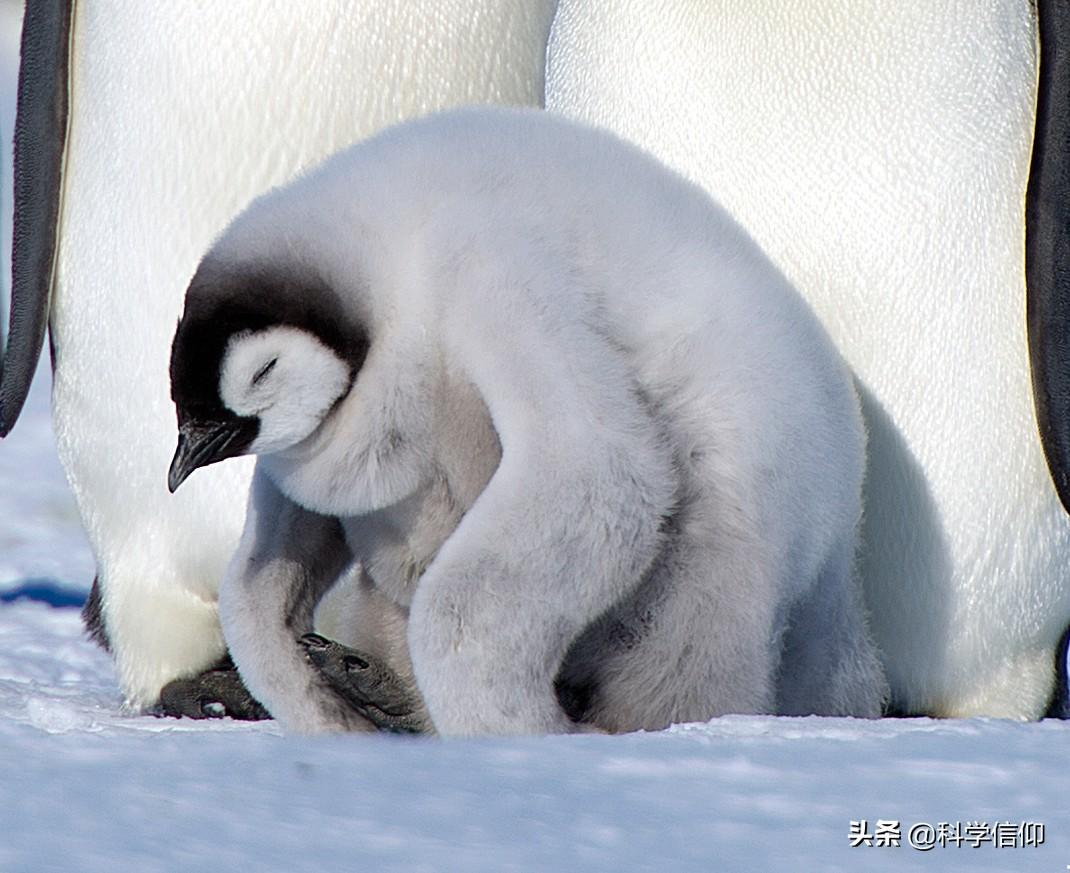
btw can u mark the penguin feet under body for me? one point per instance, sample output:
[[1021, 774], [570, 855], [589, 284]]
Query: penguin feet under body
[[215, 693], [369, 685], [392, 703]]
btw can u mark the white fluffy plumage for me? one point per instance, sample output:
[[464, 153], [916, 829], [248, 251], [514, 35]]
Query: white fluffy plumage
[[597, 440]]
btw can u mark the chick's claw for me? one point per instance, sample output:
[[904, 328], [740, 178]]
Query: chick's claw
[[369, 685]]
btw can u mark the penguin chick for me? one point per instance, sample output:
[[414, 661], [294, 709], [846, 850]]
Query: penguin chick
[[597, 464]]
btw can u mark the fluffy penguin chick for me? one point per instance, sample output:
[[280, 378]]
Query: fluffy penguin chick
[[596, 463]]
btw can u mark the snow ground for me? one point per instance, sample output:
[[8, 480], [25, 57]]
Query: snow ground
[[85, 787]]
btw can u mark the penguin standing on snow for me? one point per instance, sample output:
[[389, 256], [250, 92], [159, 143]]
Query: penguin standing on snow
[[891, 157], [590, 447], [142, 129]]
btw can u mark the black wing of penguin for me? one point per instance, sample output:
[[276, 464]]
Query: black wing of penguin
[[1047, 269]]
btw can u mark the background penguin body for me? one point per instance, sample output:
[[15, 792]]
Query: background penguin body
[[178, 115], [880, 153]]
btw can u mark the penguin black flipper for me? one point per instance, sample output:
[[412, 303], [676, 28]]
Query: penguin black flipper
[[1047, 249], [1047, 271], [40, 143], [369, 686], [1059, 706]]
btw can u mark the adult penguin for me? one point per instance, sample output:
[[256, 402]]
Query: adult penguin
[[883, 153], [140, 132]]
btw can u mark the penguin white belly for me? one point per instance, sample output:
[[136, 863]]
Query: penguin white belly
[[879, 152], [179, 114]]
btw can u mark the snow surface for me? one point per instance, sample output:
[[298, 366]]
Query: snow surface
[[86, 787]]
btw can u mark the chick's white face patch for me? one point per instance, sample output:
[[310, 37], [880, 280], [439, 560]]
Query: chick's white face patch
[[286, 378]]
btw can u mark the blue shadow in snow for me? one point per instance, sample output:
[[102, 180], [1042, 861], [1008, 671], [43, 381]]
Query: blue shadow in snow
[[47, 591]]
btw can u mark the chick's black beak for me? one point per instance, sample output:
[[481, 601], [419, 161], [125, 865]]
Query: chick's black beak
[[200, 444]]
